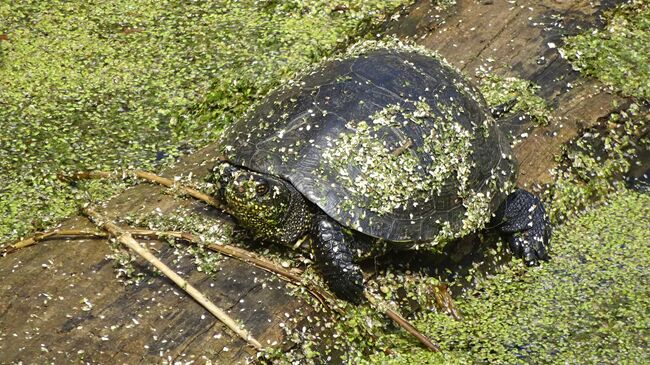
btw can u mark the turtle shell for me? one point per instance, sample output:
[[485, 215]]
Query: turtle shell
[[391, 143]]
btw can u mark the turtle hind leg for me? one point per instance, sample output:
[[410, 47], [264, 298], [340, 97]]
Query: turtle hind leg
[[334, 258], [523, 220]]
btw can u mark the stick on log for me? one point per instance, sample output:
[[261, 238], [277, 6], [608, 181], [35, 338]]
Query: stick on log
[[91, 175], [126, 239]]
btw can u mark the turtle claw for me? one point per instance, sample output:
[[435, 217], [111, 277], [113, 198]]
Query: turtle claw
[[531, 250], [347, 285], [527, 226]]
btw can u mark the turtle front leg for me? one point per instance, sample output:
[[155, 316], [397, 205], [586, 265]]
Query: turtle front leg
[[334, 257], [522, 218]]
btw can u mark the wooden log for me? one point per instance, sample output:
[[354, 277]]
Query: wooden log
[[61, 302], [65, 296]]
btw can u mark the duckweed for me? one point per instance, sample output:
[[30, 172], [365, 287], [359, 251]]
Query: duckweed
[[104, 85], [498, 90], [619, 54]]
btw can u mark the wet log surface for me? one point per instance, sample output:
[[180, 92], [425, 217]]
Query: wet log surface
[[61, 302], [60, 297]]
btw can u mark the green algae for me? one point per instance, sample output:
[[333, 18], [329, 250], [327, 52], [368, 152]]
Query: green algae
[[595, 163], [97, 85], [619, 54], [498, 90], [388, 180]]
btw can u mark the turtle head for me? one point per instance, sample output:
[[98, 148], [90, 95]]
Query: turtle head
[[271, 208]]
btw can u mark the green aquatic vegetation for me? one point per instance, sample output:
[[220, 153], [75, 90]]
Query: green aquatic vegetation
[[588, 303], [105, 85], [595, 163], [619, 54], [498, 90]]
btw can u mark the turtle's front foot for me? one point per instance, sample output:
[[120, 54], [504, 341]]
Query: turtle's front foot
[[524, 221], [333, 255]]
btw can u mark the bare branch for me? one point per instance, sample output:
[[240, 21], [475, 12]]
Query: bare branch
[[126, 239], [90, 175], [56, 233]]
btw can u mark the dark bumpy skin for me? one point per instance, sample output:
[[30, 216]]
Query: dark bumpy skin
[[390, 144], [522, 218], [334, 257], [270, 208]]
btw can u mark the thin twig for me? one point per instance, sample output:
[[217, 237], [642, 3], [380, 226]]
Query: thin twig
[[170, 184], [402, 322], [126, 239], [90, 175], [399, 150], [225, 249], [56, 233]]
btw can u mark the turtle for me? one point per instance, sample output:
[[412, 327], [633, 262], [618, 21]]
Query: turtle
[[385, 146]]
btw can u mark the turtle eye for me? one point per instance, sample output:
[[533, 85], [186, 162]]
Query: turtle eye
[[262, 188]]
